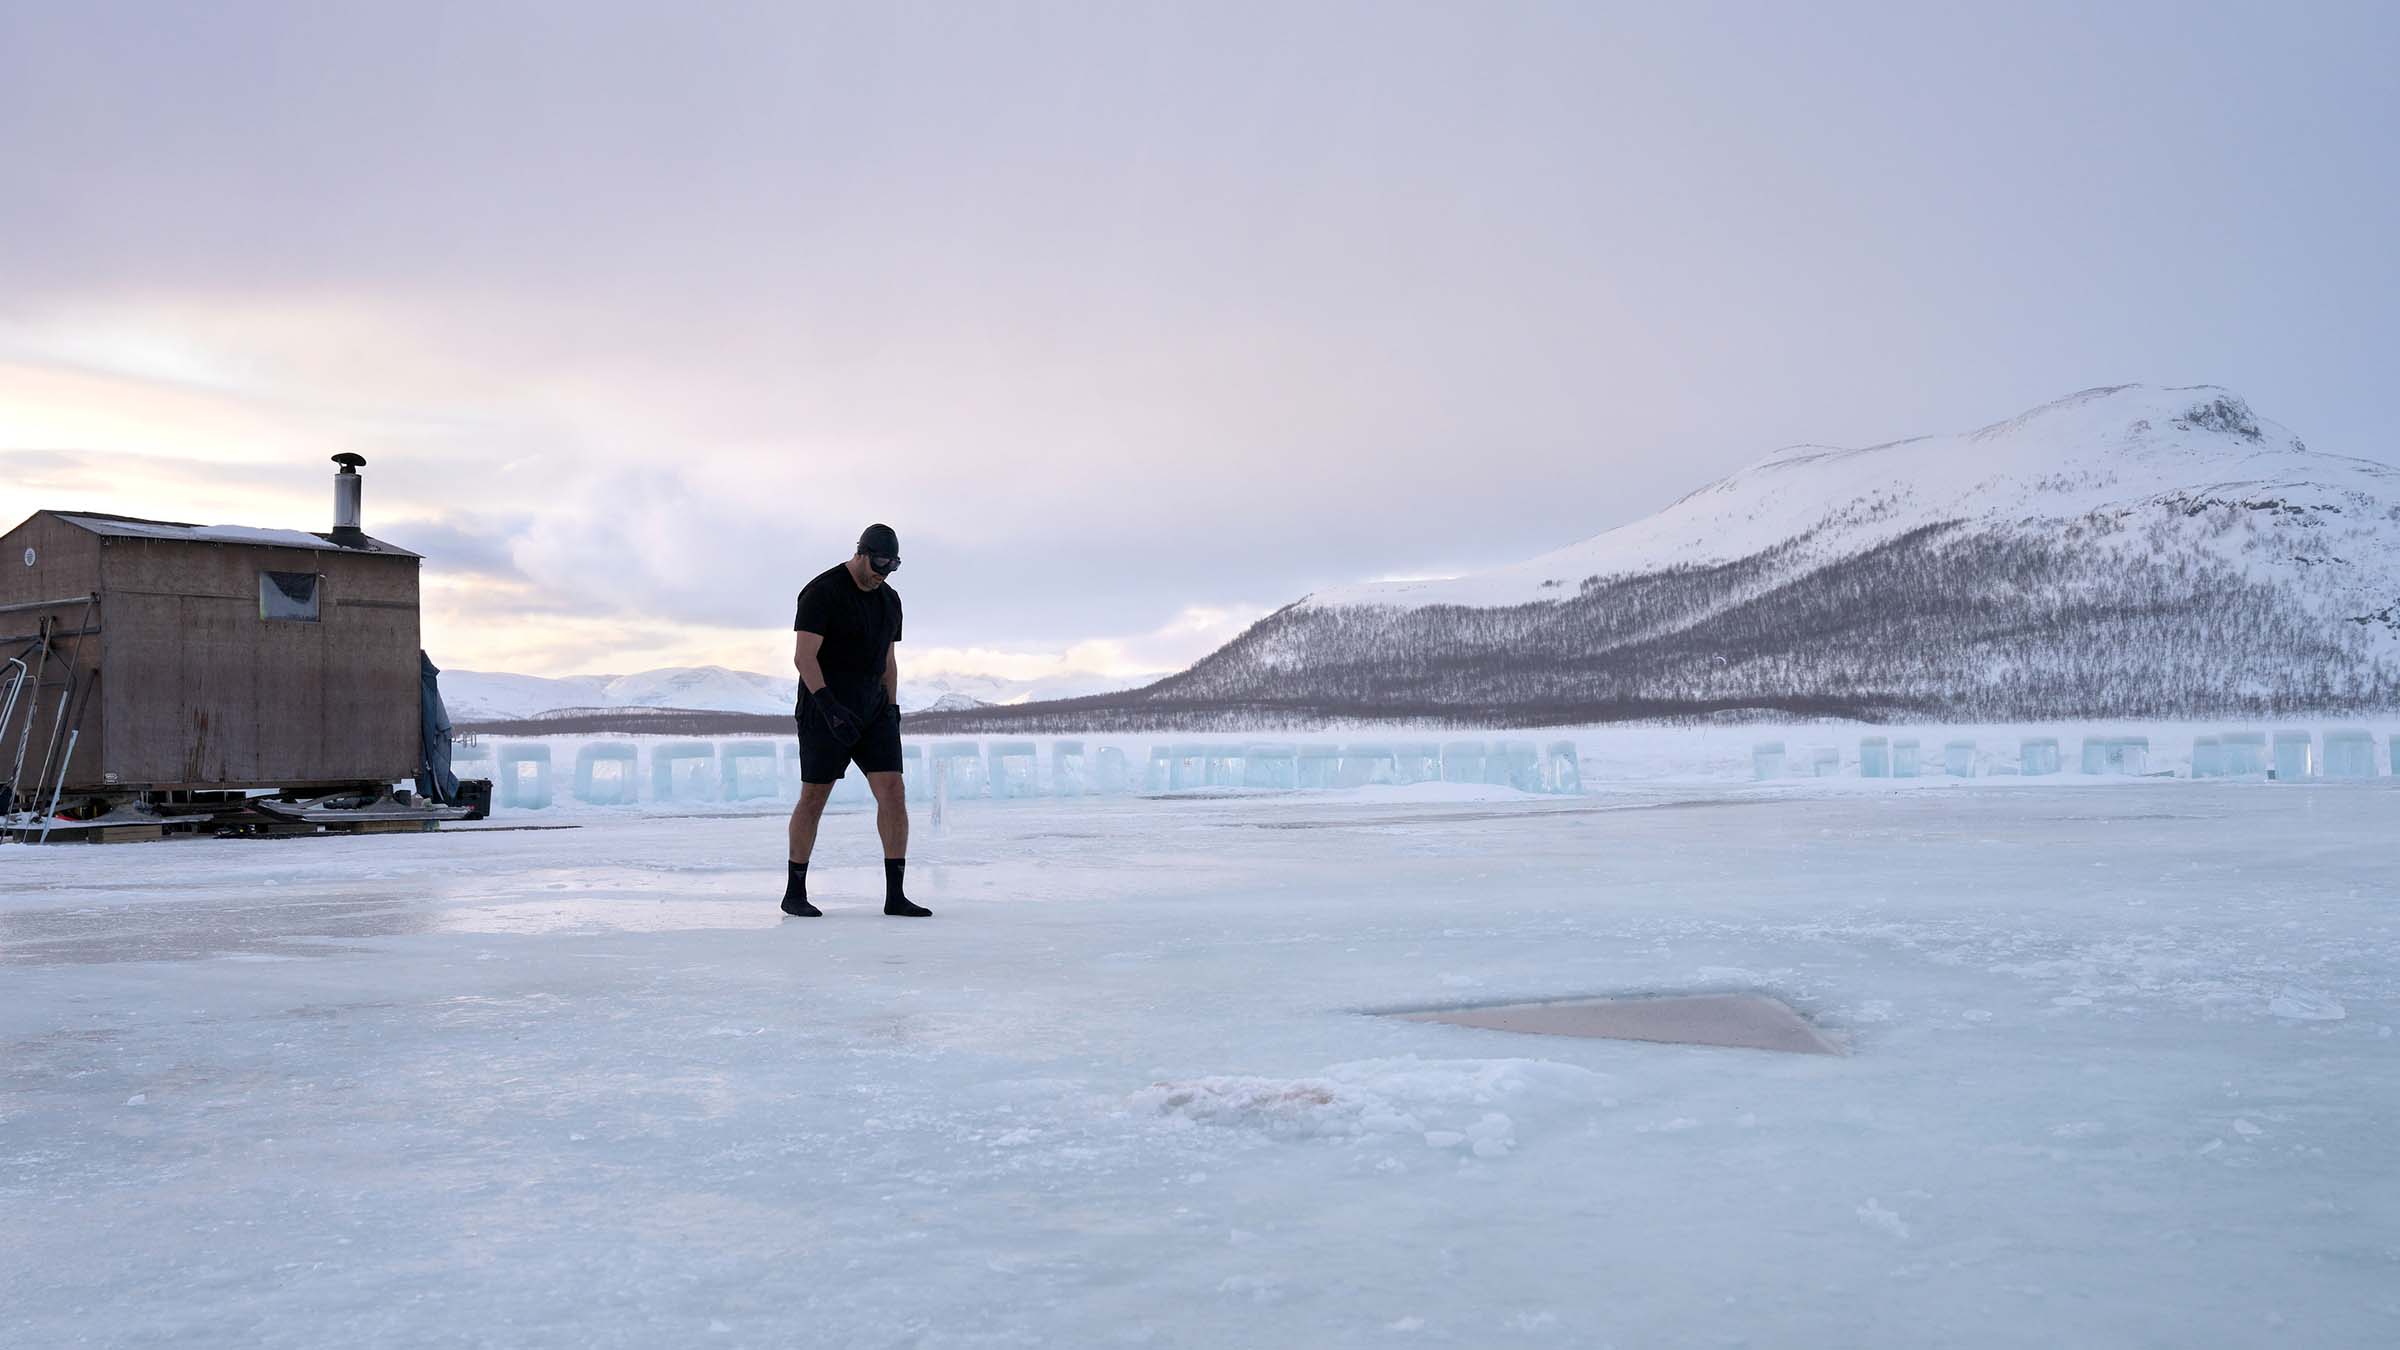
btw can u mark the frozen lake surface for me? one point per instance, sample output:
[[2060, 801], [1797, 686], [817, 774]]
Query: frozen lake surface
[[2121, 1071]]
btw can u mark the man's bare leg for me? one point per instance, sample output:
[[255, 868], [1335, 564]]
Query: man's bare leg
[[891, 822], [802, 841]]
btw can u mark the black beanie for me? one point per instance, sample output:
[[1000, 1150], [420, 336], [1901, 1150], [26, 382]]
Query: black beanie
[[879, 541]]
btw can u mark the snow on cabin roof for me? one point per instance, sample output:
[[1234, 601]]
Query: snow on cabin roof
[[131, 527]]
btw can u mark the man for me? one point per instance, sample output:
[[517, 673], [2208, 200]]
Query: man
[[844, 633]]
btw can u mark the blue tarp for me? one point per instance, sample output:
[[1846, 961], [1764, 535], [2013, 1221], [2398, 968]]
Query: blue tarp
[[434, 779]]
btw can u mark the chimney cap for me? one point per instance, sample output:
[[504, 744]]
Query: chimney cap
[[350, 463]]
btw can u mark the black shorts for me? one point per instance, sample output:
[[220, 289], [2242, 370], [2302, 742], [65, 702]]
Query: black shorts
[[824, 759]]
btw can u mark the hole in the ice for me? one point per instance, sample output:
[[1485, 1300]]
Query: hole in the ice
[[1747, 1021]]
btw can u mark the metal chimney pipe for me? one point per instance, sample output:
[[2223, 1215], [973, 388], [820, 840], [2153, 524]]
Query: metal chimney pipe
[[348, 499]]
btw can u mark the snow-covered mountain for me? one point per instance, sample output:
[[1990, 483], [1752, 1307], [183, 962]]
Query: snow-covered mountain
[[2123, 551], [494, 696]]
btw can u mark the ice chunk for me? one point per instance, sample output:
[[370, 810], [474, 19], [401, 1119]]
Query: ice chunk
[[1417, 762], [1161, 771], [2245, 753], [758, 757], [1066, 769], [669, 785], [2349, 754], [2037, 756], [1766, 760], [522, 780], [1462, 762], [2295, 756], [2307, 1005], [1367, 763], [1012, 771], [1319, 766], [618, 786], [1514, 764], [1562, 769], [1904, 759], [1825, 762], [1271, 766], [2208, 757], [914, 780], [1874, 757], [1958, 759]]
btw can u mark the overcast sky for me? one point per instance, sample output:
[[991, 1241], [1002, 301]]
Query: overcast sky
[[1136, 321]]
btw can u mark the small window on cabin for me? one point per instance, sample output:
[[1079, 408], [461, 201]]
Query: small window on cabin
[[291, 596]]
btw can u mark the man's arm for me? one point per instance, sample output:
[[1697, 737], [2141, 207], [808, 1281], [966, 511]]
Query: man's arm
[[891, 674], [804, 660]]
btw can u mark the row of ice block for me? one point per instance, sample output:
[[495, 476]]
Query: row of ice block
[[1555, 768], [2289, 756], [609, 773]]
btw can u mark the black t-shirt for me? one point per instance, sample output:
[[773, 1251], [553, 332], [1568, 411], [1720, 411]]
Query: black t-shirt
[[859, 628]]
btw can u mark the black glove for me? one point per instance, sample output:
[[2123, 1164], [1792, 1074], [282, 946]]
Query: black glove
[[837, 719]]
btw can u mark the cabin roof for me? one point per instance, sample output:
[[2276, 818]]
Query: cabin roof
[[133, 527]]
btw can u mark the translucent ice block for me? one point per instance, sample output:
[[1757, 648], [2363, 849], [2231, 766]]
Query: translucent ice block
[[1958, 759], [1904, 759], [1766, 760], [1012, 769], [2349, 754], [2037, 756], [1562, 769], [746, 769], [1514, 764], [1874, 757], [1271, 766], [1368, 763], [683, 771], [1319, 766], [2245, 753], [1417, 762], [1462, 761], [957, 769], [1111, 773], [521, 781], [2295, 756], [1066, 769], [1221, 766], [617, 786]]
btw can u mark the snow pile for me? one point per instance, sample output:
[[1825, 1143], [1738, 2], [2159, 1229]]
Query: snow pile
[[1447, 1102]]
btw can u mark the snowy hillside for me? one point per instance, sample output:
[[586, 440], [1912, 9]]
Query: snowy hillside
[[2127, 551]]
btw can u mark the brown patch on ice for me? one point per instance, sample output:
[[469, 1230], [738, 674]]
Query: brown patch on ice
[[1743, 1021]]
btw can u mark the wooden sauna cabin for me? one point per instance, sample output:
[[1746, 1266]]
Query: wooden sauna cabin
[[159, 663]]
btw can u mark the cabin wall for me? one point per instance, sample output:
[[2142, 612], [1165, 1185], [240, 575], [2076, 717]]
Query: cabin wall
[[203, 692], [66, 566]]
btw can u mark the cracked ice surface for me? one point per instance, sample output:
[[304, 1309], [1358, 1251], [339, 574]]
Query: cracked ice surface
[[2122, 1073]]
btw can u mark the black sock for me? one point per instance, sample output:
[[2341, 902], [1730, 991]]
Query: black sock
[[795, 891], [895, 901]]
